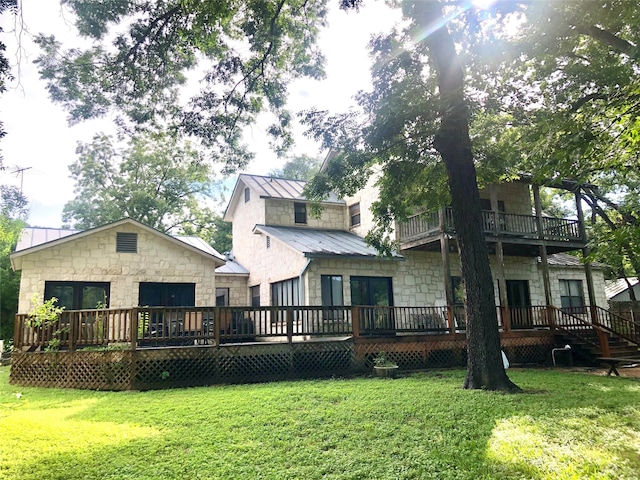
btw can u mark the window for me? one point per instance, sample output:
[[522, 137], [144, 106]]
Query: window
[[78, 295], [222, 297], [354, 214], [300, 212], [457, 290], [126, 242], [331, 288], [255, 295], [485, 204], [247, 195], [286, 293], [375, 291], [571, 298], [153, 294]]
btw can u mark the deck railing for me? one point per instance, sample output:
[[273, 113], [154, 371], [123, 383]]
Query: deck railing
[[502, 224], [170, 326]]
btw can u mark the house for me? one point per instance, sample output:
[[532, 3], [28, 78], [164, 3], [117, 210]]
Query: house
[[296, 258], [119, 265], [619, 290]]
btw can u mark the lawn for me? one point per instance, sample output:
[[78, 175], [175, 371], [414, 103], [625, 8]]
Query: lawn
[[565, 426]]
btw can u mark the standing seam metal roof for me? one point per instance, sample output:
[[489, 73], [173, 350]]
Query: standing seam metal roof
[[322, 243], [274, 187]]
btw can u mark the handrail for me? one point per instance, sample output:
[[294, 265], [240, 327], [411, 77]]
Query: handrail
[[578, 327], [617, 324]]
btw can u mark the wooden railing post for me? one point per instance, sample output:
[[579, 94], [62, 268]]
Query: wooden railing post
[[74, 329], [217, 325], [451, 319], [18, 331], [133, 330], [551, 317], [603, 338], [505, 314], [289, 324], [355, 321]]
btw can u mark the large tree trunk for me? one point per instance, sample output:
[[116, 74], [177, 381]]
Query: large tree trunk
[[484, 357]]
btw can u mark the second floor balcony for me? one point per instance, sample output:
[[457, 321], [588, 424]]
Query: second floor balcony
[[520, 231]]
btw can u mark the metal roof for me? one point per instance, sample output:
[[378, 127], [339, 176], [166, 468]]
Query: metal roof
[[232, 268], [274, 187], [200, 244], [34, 236], [616, 287], [322, 243], [566, 260]]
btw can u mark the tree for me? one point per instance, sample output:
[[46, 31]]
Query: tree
[[155, 180], [13, 212], [301, 167], [5, 68], [571, 74], [252, 51]]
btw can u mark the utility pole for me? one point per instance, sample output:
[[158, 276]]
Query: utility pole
[[20, 171]]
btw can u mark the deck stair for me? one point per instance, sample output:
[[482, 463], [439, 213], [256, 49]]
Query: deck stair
[[587, 337]]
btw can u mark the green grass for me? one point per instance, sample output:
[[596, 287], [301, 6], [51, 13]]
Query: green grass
[[565, 426]]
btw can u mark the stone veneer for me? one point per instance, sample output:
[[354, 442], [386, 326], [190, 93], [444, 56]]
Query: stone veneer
[[93, 258], [238, 288]]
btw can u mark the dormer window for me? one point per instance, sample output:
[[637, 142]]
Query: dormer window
[[300, 212], [247, 195], [126, 242]]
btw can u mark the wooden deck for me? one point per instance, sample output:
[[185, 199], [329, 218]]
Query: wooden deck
[[148, 348]]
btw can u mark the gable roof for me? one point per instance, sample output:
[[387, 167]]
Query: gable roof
[[616, 287], [270, 187], [318, 243], [33, 239]]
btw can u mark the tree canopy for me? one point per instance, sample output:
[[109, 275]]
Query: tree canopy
[[300, 167], [141, 53], [156, 180]]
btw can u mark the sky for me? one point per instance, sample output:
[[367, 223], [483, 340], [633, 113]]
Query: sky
[[40, 141]]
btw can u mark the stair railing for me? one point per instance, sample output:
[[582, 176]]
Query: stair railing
[[617, 324], [581, 329]]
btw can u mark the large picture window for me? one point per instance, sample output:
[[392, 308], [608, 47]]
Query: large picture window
[[571, 298], [373, 291], [78, 295], [285, 293], [331, 289], [152, 294]]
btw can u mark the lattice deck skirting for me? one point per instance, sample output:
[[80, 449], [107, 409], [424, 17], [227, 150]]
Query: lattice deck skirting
[[156, 368]]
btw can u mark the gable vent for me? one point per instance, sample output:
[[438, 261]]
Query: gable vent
[[126, 242]]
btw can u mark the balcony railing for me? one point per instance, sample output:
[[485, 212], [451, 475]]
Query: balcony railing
[[495, 224]]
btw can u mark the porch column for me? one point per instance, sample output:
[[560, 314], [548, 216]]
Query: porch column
[[446, 268], [585, 254], [543, 246], [500, 276]]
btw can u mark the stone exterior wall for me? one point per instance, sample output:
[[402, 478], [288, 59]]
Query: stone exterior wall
[[419, 279], [365, 197], [280, 212], [93, 258], [246, 216], [273, 261], [238, 289], [515, 195]]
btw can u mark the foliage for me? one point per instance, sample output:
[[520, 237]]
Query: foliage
[[567, 426], [5, 67], [382, 360], [300, 167], [155, 180], [43, 314], [13, 212], [139, 53]]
